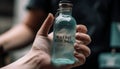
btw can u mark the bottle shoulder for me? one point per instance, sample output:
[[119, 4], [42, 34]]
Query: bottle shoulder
[[65, 18]]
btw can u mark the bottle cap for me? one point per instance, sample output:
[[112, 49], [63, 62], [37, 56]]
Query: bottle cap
[[65, 3]]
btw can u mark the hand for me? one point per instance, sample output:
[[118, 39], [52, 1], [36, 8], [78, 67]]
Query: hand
[[39, 56], [43, 43]]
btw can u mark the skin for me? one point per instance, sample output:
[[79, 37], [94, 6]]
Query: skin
[[24, 33], [39, 56]]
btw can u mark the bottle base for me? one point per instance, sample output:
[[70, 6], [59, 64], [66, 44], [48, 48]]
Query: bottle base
[[61, 61]]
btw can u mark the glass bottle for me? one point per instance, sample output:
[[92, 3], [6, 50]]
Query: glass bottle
[[64, 35]]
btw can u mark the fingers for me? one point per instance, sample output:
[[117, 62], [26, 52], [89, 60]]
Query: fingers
[[84, 38], [80, 53], [81, 34], [81, 28], [80, 58], [46, 25], [81, 49]]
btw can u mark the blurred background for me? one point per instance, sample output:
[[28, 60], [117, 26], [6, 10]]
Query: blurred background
[[12, 12], [6, 14]]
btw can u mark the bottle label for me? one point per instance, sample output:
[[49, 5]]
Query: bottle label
[[63, 38]]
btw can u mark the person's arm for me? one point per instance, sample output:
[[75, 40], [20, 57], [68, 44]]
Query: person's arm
[[24, 33], [39, 56]]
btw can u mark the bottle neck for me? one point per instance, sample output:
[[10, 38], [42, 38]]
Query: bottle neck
[[65, 11]]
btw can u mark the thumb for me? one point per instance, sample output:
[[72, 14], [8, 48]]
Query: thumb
[[43, 31]]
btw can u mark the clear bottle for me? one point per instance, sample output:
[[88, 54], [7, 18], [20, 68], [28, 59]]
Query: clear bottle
[[64, 35]]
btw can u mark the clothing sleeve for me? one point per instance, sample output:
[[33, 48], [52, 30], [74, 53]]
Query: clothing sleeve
[[39, 4]]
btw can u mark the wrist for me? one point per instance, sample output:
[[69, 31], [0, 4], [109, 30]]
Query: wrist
[[31, 60]]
